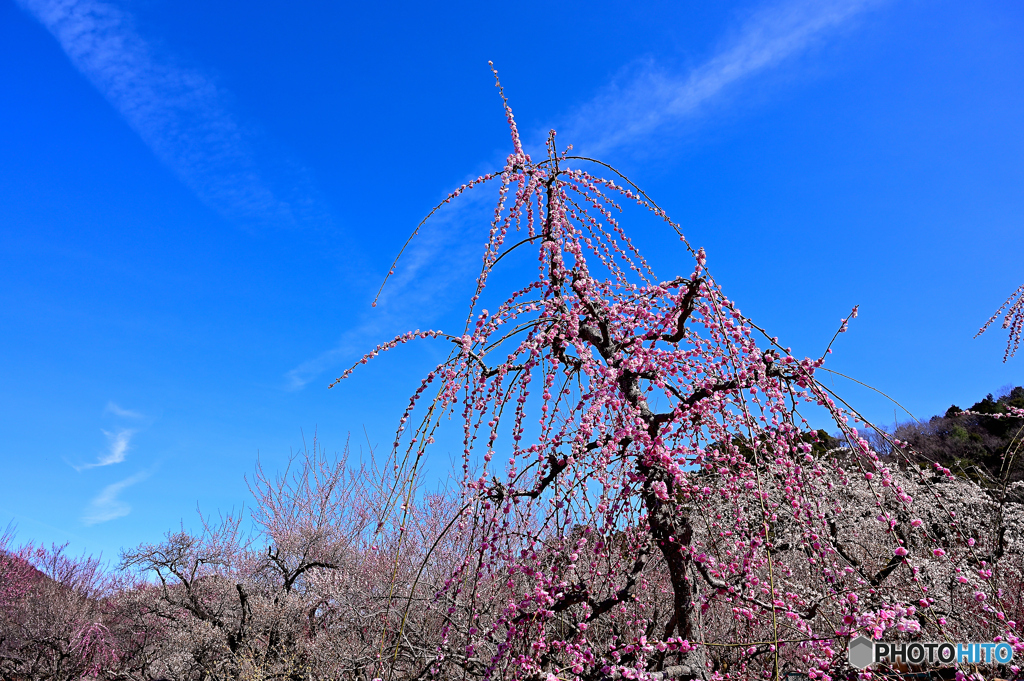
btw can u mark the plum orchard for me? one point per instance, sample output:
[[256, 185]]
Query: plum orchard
[[639, 498], [640, 495]]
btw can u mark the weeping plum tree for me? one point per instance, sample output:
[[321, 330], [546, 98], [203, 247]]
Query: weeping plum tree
[[640, 495]]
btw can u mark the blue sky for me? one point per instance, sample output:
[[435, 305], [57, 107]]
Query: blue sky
[[200, 200]]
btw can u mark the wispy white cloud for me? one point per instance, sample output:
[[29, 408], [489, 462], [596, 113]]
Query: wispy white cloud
[[118, 449], [107, 506], [649, 100], [177, 111], [114, 409]]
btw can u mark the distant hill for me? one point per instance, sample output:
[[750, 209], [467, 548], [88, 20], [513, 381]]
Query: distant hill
[[977, 446]]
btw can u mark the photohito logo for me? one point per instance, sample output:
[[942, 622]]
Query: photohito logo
[[864, 652]]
